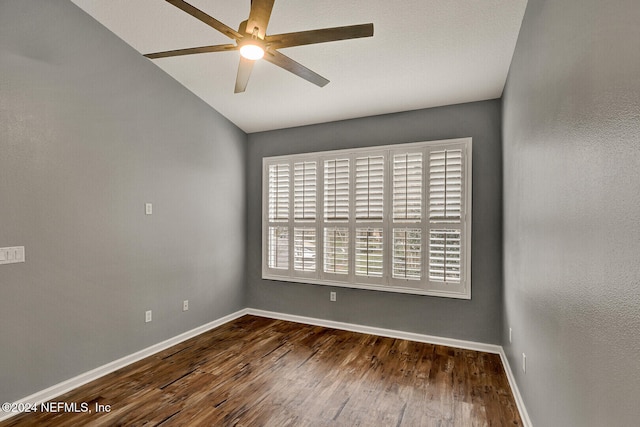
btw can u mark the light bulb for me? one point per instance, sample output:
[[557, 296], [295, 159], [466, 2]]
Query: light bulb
[[252, 52]]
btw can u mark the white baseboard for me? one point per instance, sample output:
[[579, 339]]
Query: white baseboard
[[70, 384], [516, 391]]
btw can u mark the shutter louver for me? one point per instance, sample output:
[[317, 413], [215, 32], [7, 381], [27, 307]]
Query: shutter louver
[[336, 190], [444, 255], [369, 252], [369, 188], [407, 253], [304, 191], [407, 187], [278, 248], [445, 186], [279, 192], [336, 250], [304, 247]]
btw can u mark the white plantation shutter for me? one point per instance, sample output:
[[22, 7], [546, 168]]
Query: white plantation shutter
[[407, 253], [278, 214], [446, 180], [278, 244], [304, 246], [394, 218], [406, 194], [304, 191], [444, 255], [369, 187], [407, 186], [369, 252], [278, 192], [336, 210], [336, 190], [445, 185], [369, 207], [336, 250]]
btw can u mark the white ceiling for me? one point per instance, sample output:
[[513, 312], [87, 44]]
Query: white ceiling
[[424, 53]]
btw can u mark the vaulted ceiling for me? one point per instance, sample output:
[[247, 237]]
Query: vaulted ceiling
[[424, 53]]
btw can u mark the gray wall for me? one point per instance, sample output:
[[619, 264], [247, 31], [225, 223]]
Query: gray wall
[[571, 209], [479, 319], [90, 131]]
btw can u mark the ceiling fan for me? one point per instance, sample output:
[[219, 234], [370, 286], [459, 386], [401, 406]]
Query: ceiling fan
[[254, 43]]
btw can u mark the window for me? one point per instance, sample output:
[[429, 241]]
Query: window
[[394, 218]]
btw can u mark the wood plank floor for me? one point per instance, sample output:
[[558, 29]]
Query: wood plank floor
[[256, 371]]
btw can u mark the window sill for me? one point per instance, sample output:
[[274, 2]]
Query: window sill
[[369, 287]]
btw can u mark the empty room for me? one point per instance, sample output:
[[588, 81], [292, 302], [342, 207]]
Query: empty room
[[320, 213]]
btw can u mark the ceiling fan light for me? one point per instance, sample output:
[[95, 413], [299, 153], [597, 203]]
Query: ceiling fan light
[[252, 52]]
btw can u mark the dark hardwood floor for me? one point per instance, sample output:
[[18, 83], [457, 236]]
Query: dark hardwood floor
[[256, 371]]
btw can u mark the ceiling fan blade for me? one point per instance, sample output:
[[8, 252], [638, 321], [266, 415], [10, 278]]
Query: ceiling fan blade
[[192, 50], [300, 38], [209, 20], [244, 72], [299, 70], [259, 16]]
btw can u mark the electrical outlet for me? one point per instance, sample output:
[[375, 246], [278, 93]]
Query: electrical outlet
[[524, 363], [332, 296], [510, 335], [185, 305], [148, 208], [147, 316]]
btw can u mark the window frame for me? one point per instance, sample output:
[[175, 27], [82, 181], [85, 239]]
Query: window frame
[[387, 282]]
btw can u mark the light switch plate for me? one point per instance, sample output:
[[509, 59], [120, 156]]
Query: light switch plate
[[12, 255], [148, 208]]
